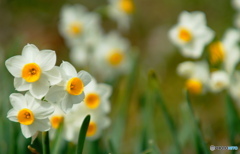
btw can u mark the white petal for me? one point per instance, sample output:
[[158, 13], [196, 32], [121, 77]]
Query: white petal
[[85, 77], [68, 69], [21, 85], [28, 130], [69, 100], [55, 94], [42, 124], [30, 52], [34, 137], [12, 115], [46, 59], [53, 75], [40, 88], [18, 101], [30, 100], [42, 111], [15, 65], [104, 90]]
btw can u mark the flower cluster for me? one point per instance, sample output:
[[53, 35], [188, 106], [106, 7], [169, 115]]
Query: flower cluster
[[216, 69], [52, 92], [90, 47]]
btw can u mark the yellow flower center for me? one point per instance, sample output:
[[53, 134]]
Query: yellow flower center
[[56, 121], [216, 52], [31, 72], [92, 129], [75, 86], [92, 100], [25, 117], [194, 86], [184, 35], [75, 28], [115, 57], [126, 6]]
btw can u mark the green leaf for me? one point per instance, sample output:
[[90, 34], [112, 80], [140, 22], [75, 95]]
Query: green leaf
[[82, 134], [45, 143], [201, 145]]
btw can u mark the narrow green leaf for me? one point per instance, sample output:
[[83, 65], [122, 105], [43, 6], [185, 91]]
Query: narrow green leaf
[[153, 83], [57, 141], [232, 121], [82, 134], [45, 143], [111, 147], [201, 145]]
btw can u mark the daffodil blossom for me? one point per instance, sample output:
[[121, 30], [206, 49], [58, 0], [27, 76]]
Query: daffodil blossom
[[219, 81], [120, 11], [97, 97], [236, 4], [112, 56], [191, 34], [78, 26], [197, 76], [71, 90], [34, 70], [31, 113], [73, 121]]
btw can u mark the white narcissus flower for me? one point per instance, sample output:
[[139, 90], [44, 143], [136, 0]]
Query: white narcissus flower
[[112, 56], [97, 97], [71, 90], [79, 55], [186, 69], [236, 4], [73, 121], [226, 51], [120, 11], [197, 77], [219, 81], [78, 26], [34, 70], [31, 113], [191, 34]]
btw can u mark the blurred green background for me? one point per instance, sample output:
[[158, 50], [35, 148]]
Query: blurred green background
[[36, 22]]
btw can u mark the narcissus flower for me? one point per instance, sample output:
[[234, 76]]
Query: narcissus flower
[[73, 121], [120, 11], [77, 24], [112, 55], [31, 113], [197, 74], [219, 81], [226, 51], [191, 34], [97, 97], [34, 70], [71, 90]]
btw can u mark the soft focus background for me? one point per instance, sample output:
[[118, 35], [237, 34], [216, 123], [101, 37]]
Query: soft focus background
[[36, 22]]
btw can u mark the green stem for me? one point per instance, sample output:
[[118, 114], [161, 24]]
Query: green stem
[[45, 143], [197, 127]]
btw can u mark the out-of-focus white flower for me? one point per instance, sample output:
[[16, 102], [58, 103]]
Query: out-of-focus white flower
[[236, 4], [71, 90], [97, 97], [237, 20], [31, 113], [191, 34], [79, 55], [112, 56], [186, 69], [197, 76], [78, 26], [227, 50], [120, 11], [57, 117], [73, 121], [219, 81], [34, 70]]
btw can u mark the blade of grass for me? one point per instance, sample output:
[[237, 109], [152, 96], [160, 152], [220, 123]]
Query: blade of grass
[[199, 136], [82, 134], [232, 121], [45, 143], [154, 85]]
